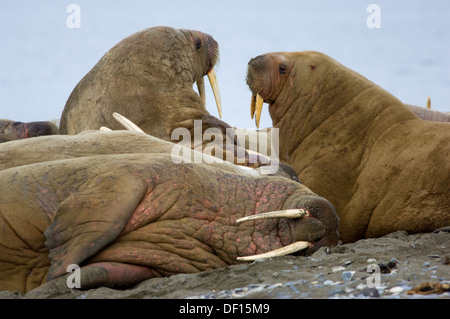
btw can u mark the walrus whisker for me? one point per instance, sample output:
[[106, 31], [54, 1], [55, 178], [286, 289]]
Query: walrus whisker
[[288, 213], [286, 250], [215, 87], [127, 123]]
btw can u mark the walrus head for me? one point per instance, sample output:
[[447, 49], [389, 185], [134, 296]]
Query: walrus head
[[272, 77], [207, 55], [179, 56], [148, 77]]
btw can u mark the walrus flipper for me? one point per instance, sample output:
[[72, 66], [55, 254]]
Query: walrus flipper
[[90, 219]]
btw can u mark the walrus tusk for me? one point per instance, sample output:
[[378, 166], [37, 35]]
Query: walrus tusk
[[252, 106], [286, 250], [215, 87], [105, 129], [428, 103], [256, 106], [127, 123], [288, 213], [201, 90]]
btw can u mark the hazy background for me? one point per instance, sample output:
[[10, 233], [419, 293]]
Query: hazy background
[[42, 60]]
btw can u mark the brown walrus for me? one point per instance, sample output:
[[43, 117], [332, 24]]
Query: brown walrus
[[117, 205], [143, 77], [350, 141], [148, 77], [13, 130]]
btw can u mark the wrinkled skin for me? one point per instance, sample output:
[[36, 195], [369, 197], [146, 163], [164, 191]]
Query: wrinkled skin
[[12, 130], [147, 77], [350, 141], [125, 217]]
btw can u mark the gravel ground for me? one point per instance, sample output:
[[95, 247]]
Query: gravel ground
[[395, 266]]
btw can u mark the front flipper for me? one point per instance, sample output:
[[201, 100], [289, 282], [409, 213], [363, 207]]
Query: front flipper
[[91, 218], [113, 275]]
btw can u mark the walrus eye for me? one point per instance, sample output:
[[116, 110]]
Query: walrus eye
[[198, 44], [282, 68]]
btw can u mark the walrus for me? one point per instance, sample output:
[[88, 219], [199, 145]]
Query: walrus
[[148, 77], [117, 205], [352, 142], [14, 130]]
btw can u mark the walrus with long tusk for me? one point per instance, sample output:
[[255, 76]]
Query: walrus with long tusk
[[350, 141], [117, 205], [148, 77]]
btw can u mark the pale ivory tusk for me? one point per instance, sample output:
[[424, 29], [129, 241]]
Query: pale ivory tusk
[[252, 106], [288, 213], [286, 250], [105, 129], [127, 123], [258, 108], [215, 87], [201, 90]]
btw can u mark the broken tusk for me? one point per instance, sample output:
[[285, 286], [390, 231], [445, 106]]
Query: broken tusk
[[428, 103], [286, 250], [288, 213], [201, 90], [127, 123], [215, 87], [105, 129], [258, 108]]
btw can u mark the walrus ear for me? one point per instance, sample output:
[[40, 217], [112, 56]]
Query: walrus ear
[[91, 218]]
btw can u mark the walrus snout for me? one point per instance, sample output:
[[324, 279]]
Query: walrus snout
[[321, 227], [258, 80]]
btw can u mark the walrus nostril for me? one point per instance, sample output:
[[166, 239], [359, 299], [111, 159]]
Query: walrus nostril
[[259, 57]]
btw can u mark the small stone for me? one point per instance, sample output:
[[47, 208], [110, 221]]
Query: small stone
[[396, 290], [347, 275], [337, 268], [370, 292], [348, 262], [330, 283], [426, 264], [361, 286], [371, 260]]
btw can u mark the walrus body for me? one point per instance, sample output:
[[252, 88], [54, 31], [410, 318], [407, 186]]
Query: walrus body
[[124, 217], [350, 141]]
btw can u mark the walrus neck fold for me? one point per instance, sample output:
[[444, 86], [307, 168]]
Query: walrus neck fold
[[316, 111]]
